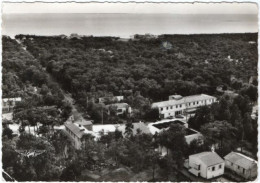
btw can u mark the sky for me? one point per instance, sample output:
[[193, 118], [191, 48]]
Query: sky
[[172, 8]]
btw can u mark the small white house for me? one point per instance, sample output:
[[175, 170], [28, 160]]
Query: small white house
[[241, 165], [206, 164], [121, 108], [9, 103]]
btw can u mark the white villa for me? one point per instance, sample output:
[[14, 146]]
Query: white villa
[[206, 164], [182, 105]]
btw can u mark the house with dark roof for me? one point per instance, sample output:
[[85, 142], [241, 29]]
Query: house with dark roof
[[206, 164], [242, 165]]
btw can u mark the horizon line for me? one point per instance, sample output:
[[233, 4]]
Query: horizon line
[[84, 35], [139, 13]]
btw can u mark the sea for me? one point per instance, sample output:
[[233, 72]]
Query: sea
[[126, 25]]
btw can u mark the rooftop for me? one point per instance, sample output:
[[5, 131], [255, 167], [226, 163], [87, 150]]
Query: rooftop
[[84, 122], [119, 105], [106, 128], [141, 125], [76, 129], [209, 158], [166, 124], [12, 99], [240, 159], [183, 100]]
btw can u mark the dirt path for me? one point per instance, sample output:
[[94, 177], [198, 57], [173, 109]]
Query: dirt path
[[67, 96]]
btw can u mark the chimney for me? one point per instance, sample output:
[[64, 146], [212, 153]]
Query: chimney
[[212, 149]]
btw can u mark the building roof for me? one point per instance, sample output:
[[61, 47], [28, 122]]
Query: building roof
[[7, 116], [175, 97], [18, 99], [208, 158], [183, 100], [141, 125], [84, 122], [105, 128], [79, 132], [119, 105], [240, 159]]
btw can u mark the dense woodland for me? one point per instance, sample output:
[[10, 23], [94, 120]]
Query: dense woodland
[[23, 76], [143, 71]]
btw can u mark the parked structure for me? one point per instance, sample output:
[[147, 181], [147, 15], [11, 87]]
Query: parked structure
[[242, 165], [110, 99], [9, 103], [182, 105], [206, 164], [76, 132], [120, 108]]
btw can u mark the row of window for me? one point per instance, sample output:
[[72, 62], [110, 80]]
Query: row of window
[[188, 104], [238, 167], [215, 168]]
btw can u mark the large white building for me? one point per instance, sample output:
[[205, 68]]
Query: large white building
[[182, 105], [206, 164]]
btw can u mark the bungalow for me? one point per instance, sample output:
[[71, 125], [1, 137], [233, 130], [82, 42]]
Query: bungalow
[[182, 105], [120, 108], [9, 103], [242, 165], [206, 164]]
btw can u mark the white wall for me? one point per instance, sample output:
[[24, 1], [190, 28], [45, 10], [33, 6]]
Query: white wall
[[218, 171], [76, 141], [206, 172], [239, 171], [173, 108]]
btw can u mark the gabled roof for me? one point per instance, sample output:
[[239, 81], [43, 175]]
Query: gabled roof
[[75, 129], [183, 100], [119, 105], [208, 158], [240, 159]]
